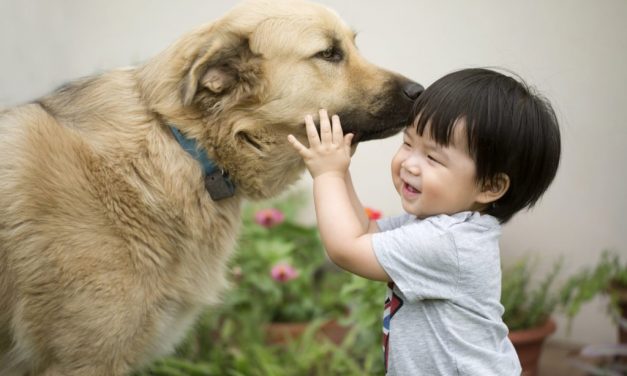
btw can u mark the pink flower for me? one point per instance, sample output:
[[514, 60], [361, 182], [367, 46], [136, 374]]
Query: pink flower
[[373, 214], [283, 272], [237, 272], [269, 217]]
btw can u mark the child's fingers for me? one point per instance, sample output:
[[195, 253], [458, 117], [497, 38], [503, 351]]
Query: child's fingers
[[326, 137], [348, 143], [353, 148], [338, 135], [300, 148], [312, 133], [348, 139]]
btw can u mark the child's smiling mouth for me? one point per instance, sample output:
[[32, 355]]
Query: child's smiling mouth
[[410, 191]]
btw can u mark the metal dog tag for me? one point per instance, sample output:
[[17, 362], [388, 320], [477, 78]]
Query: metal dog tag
[[219, 186]]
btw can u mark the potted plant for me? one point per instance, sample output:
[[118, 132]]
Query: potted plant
[[281, 273], [609, 277], [528, 309]]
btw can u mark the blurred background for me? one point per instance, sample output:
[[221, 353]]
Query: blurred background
[[573, 51]]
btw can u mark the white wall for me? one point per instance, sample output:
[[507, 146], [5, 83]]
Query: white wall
[[574, 51]]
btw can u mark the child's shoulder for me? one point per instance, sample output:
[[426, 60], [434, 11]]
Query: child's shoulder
[[462, 221], [458, 223]]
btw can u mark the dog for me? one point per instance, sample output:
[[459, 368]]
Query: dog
[[120, 193]]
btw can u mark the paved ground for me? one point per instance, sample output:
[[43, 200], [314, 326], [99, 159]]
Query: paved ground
[[555, 362]]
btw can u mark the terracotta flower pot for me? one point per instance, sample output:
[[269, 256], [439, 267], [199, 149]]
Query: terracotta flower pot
[[622, 332], [528, 344], [620, 293], [283, 332]]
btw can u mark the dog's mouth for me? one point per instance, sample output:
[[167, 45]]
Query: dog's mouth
[[372, 130], [384, 114], [366, 126], [361, 136], [250, 141]]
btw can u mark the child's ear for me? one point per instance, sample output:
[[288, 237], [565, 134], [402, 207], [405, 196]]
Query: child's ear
[[494, 189]]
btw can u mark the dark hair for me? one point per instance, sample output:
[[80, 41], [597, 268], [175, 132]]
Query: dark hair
[[510, 129]]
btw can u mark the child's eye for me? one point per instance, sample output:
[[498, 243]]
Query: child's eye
[[432, 158]]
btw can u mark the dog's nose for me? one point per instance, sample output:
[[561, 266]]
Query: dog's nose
[[413, 89]]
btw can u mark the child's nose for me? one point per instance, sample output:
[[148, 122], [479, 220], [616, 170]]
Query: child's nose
[[412, 166]]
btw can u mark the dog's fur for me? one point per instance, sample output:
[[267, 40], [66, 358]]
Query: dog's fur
[[109, 243]]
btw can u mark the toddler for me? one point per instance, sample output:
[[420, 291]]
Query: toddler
[[480, 147]]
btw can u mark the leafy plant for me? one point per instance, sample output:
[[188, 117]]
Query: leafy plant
[[280, 271], [365, 299], [526, 307], [528, 304], [233, 356], [608, 276]]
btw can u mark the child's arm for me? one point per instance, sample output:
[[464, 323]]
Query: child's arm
[[370, 226], [343, 232]]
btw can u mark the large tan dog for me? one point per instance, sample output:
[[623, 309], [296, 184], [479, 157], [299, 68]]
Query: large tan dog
[[110, 244]]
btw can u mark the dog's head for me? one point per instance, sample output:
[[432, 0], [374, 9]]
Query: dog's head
[[251, 76]]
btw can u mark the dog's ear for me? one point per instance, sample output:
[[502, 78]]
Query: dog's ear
[[218, 79], [217, 67]]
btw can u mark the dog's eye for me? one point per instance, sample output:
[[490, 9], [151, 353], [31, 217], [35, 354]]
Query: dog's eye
[[331, 54]]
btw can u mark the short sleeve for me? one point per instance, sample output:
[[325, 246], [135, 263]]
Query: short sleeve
[[421, 261], [389, 223]]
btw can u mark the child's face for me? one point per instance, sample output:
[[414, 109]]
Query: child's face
[[432, 179]]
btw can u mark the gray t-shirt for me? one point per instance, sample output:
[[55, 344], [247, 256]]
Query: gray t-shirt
[[443, 311]]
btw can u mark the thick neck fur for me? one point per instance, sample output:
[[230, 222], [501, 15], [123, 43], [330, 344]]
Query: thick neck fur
[[235, 132], [253, 151], [260, 162]]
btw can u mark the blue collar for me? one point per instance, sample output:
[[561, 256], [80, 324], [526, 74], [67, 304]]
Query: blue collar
[[217, 181]]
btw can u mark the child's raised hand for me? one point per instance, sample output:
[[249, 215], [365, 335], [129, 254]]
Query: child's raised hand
[[328, 153]]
